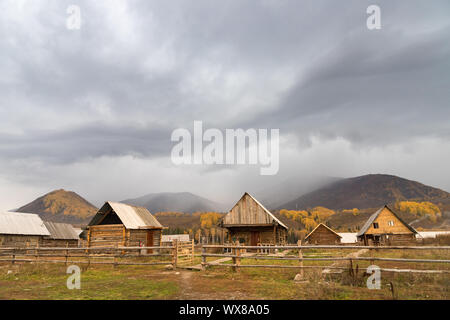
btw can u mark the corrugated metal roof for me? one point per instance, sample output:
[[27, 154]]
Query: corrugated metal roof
[[61, 231], [22, 224], [132, 217]]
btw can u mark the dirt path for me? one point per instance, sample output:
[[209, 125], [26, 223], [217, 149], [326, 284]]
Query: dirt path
[[218, 261], [341, 263]]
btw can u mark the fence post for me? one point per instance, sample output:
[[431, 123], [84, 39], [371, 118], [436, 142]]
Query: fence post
[[175, 253], [115, 254], [204, 266], [300, 256], [67, 251], [193, 251], [37, 252], [236, 260]]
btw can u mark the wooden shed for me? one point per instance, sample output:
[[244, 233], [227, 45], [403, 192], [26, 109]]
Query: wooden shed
[[61, 235], [21, 230], [250, 223], [119, 224], [386, 227], [322, 234]]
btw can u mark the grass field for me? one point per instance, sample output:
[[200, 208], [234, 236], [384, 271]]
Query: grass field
[[48, 281]]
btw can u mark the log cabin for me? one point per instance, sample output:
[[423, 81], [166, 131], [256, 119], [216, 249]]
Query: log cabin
[[21, 230], [61, 235], [386, 227], [118, 224], [323, 235], [250, 223]]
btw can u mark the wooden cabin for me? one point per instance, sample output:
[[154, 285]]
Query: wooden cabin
[[250, 223], [21, 230], [61, 235], [119, 224], [323, 235], [386, 227]]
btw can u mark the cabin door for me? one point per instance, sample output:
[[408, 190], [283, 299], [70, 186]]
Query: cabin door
[[254, 239], [150, 240]]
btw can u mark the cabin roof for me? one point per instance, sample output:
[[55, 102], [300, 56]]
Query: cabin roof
[[16, 223], [372, 218], [321, 224], [270, 214], [61, 231], [132, 217]]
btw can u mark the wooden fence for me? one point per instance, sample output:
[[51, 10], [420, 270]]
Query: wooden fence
[[239, 253], [181, 254], [178, 254]]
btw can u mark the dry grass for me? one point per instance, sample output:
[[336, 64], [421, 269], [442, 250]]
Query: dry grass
[[48, 281]]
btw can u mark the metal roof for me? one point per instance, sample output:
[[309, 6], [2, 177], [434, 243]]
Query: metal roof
[[132, 217], [22, 224], [372, 218], [61, 231]]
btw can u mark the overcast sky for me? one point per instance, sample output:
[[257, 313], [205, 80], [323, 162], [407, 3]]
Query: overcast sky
[[92, 110]]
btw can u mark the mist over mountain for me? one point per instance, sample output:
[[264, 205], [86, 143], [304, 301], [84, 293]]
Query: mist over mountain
[[274, 196], [368, 191], [176, 201]]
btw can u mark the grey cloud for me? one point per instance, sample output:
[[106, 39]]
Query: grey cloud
[[139, 69]]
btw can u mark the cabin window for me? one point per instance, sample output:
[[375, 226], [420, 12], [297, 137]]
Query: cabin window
[[390, 223], [375, 225]]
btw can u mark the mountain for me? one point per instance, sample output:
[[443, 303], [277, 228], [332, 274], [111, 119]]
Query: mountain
[[61, 206], [279, 193], [369, 191], [179, 202]]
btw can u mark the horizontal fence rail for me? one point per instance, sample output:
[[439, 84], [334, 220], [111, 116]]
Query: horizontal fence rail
[[329, 247], [240, 252], [92, 255]]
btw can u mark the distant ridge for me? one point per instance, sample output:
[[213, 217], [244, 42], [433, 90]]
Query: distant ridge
[[368, 191], [178, 201], [61, 206]]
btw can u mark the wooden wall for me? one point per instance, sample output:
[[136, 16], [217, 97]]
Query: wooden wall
[[116, 235], [58, 243], [21, 241], [265, 235], [247, 212], [323, 236], [383, 227], [110, 235]]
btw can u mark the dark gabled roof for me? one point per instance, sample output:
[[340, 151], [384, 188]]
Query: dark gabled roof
[[372, 218], [321, 224], [132, 217], [61, 231]]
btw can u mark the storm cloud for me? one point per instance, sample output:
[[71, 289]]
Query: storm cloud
[[93, 109]]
